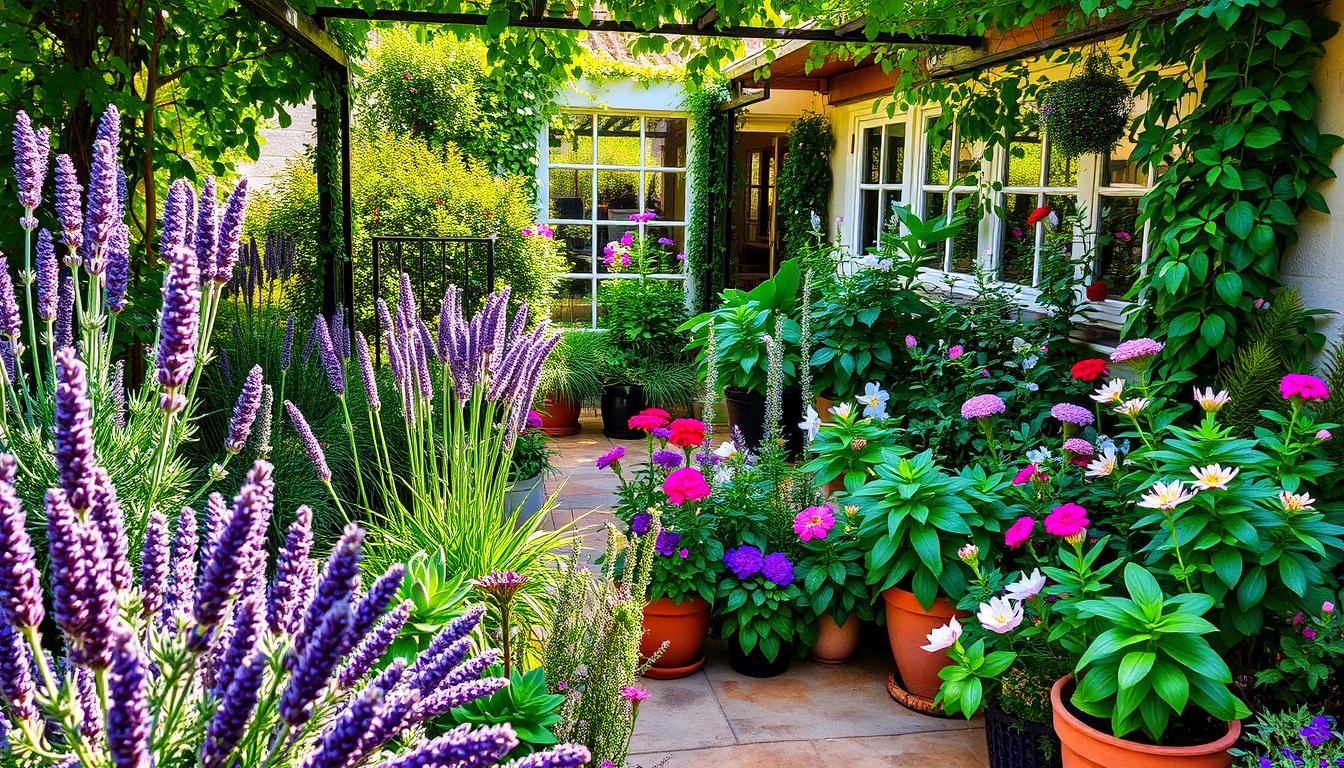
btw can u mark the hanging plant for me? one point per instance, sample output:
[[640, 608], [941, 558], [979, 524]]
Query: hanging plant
[[1088, 113]]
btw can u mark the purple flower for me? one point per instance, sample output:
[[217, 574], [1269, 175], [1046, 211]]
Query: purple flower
[[207, 230], [128, 717], [65, 312], [287, 349], [154, 564], [330, 360], [667, 459], [982, 407], [31, 149], [83, 600], [216, 520], [243, 631], [1079, 447], [1136, 350], [639, 524], [344, 738], [118, 258], [17, 688], [69, 211], [310, 443], [48, 278], [230, 233], [184, 565], [105, 514], [662, 433], [291, 567], [245, 411], [104, 204], [340, 578], [72, 430], [464, 745], [374, 646], [20, 583], [559, 756], [239, 546], [1070, 413], [10, 324], [777, 569], [178, 328], [315, 665], [744, 561], [374, 603], [234, 711], [666, 241], [366, 371], [611, 457], [666, 543]]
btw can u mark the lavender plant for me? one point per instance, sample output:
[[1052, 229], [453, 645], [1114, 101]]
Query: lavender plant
[[202, 660]]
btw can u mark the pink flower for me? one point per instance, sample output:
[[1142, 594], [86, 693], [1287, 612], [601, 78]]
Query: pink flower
[[646, 421], [1136, 350], [910, 341], [814, 522], [1298, 619], [681, 256], [955, 351], [685, 484], [533, 419], [1018, 533], [1327, 607], [1123, 236], [527, 232], [1066, 520], [683, 553], [687, 433], [625, 259], [1024, 476], [628, 238], [1323, 434], [1303, 385], [1309, 633], [1016, 232], [634, 693], [982, 407]]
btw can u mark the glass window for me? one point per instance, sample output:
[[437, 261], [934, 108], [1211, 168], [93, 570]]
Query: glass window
[[881, 179], [665, 142], [571, 139], [1033, 176], [938, 186]]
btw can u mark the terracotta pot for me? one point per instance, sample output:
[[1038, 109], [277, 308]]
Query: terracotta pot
[[1082, 746], [836, 644], [822, 406], [684, 626], [834, 487], [559, 417], [908, 626]]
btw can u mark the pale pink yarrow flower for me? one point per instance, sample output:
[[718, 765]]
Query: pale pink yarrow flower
[[1136, 350]]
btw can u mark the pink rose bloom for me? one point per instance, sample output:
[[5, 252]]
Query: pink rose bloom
[[1018, 533], [685, 484], [1066, 520], [1304, 386], [955, 351], [814, 522], [1024, 476]]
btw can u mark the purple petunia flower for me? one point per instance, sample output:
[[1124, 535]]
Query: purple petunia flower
[[666, 543], [611, 457], [20, 582], [310, 443], [244, 411], [744, 561], [1070, 413], [48, 277], [667, 459], [31, 149], [777, 569], [639, 524]]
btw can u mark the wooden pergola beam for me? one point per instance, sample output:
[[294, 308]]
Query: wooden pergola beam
[[693, 29], [300, 28]]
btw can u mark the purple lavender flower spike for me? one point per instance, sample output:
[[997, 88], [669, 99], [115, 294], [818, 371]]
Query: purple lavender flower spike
[[72, 430], [374, 646], [104, 209], [317, 662], [90, 707], [330, 360], [455, 630], [375, 602], [245, 411], [207, 230], [178, 329], [20, 582], [118, 268], [73, 570], [17, 688], [225, 372], [30, 165], [430, 670], [559, 756], [473, 667], [312, 340], [216, 521], [128, 718], [366, 372], [98, 594], [47, 277], [230, 232], [10, 360], [287, 349], [109, 126], [65, 312], [227, 569], [10, 323], [282, 610], [176, 224], [69, 211], [105, 513], [154, 564], [441, 700], [235, 710], [350, 731], [310, 443], [183, 583], [246, 628], [340, 578], [464, 746]]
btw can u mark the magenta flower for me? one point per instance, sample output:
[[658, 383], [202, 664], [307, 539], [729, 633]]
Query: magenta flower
[[955, 351], [1066, 520], [1079, 447], [685, 484], [982, 407], [634, 693], [1024, 475], [1304, 386], [910, 341], [1018, 533], [814, 522], [628, 238], [1136, 350], [611, 458]]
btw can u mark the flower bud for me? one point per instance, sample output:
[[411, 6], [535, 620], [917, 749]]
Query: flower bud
[[1078, 538]]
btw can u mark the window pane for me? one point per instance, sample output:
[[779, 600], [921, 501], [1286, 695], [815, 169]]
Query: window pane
[[1024, 155], [571, 193], [571, 139], [939, 154], [967, 241], [872, 156], [1017, 242], [665, 194], [663, 254], [895, 168], [1120, 171], [574, 303], [871, 213], [665, 142], [889, 199], [754, 173], [1120, 248], [968, 161], [935, 207], [1063, 171], [618, 141], [575, 242], [1063, 206], [617, 194]]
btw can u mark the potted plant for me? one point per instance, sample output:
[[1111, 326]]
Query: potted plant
[[663, 498], [569, 378], [527, 474], [1088, 113], [845, 451], [761, 610], [738, 324], [641, 315], [835, 591]]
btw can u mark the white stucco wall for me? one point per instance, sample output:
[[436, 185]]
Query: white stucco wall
[[280, 145]]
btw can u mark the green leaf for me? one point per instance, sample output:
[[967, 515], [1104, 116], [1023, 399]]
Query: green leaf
[[1134, 667], [1262, 136], [1143, 588], [1228, 285], [1241, 218]]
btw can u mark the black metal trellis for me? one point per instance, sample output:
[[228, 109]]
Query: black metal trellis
[[427, 258]]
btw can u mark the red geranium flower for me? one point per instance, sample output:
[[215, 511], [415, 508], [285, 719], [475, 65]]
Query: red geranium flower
[[1038, 214], [1097, 291], [1090, 369], [687, 433]]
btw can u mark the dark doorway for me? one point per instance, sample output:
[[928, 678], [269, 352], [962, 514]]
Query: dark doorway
[[756, 157]]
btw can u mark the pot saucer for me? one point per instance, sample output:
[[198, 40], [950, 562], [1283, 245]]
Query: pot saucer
[[895, 689], [672, 673]]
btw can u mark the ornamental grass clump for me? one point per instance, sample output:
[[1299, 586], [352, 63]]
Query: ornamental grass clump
[[204, 659]]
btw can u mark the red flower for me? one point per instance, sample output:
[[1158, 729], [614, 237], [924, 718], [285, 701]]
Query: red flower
[[1089, 369], [687, 433], [659, 412], [1038, 214], [1097, 291]]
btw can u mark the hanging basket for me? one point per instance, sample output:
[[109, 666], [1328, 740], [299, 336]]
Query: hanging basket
[[1088, 113]]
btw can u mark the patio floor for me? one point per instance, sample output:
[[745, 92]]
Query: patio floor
[[813, 716]]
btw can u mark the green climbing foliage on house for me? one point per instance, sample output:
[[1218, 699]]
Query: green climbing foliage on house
[[804, 184]]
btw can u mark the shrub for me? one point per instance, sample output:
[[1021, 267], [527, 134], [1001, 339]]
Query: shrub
[[805, 180]]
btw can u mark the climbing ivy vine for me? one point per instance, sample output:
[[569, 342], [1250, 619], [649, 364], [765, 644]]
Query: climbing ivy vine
[[710, 195], [804, 185]]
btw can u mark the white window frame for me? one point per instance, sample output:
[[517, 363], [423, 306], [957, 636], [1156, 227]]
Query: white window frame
[[594, 276], [950, 190], [858, 164]]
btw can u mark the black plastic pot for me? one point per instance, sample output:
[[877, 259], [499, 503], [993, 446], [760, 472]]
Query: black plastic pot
[[746, 414], [755, 664], [619, 403], [1017, 743]]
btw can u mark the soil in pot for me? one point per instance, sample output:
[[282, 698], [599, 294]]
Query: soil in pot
[[1013, 742], [908, 626], [619, 403], [684, 627], [1086, 742], [836, 644], [755, 664], [746, 413], [559, 417]]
